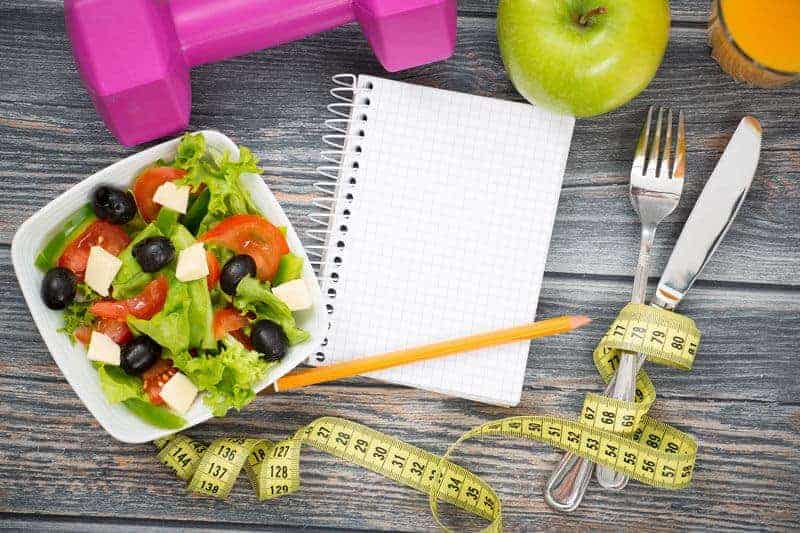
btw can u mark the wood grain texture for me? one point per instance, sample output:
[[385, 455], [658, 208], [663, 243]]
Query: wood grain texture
[[69, 524], [59, 471], [740, 401]]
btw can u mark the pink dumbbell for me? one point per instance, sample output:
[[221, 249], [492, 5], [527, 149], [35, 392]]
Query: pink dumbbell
[[134, 55]]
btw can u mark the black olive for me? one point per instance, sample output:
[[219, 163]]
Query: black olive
[[153, 253], [58, 288], [139, 354], [114, 205], [234, 271], [269, 339]]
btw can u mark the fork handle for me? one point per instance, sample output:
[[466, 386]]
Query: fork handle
[[643, 264], [625, 384], [568, 482]]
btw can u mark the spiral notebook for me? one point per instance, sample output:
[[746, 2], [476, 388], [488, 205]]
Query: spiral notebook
[[434, 222]]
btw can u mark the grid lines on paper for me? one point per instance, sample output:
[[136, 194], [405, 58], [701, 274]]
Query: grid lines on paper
[[451, 215]]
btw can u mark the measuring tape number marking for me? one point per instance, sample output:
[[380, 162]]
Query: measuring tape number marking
[[613, 433]]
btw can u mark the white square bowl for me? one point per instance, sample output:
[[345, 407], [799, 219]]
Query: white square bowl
[[34, 233]]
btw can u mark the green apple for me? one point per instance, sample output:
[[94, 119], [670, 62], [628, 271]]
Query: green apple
[[582, 57]]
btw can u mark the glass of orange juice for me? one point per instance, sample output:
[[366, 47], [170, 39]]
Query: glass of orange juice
[[757, 41]]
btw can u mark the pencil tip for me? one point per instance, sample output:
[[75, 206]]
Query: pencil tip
[[578, 321]]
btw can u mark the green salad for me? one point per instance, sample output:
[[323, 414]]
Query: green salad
[[178, 287]]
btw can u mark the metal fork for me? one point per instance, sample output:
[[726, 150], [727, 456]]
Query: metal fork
[[655, 191]]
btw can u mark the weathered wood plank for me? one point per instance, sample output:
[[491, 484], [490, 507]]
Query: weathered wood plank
[[39, 523], [740, 401], [53, 138], [749, 348], [746, 476]]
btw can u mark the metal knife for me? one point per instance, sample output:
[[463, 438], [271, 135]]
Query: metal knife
[[709, 221], [712, 215]]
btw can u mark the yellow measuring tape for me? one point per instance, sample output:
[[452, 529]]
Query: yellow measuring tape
[[614, 433]]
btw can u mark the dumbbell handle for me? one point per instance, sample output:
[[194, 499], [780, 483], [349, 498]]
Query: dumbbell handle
[[213, 30]]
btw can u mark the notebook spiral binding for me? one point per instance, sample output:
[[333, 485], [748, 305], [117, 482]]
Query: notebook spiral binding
[[339, 173]]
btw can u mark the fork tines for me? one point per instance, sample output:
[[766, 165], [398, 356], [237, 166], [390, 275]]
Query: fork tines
[[648, 166]]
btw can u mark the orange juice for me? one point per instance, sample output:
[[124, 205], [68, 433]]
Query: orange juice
[[757, 41]]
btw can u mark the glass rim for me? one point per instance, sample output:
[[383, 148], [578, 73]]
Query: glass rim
[[719, 15]]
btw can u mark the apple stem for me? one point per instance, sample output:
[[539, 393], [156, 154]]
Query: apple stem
[[587, 17]]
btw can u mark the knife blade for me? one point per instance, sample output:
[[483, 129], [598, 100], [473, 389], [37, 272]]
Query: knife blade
[[712, 215]]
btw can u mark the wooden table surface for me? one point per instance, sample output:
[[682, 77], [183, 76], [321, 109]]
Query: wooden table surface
[[60, 470]]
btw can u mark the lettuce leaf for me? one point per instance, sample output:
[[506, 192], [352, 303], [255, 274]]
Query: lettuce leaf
[[131, 279], [181, 237], [290, 268], [198, 207], [166, 219], [190, 151], [153, 414], [221, 176], [77, 313], [256, 297], [170, 327], [228, 377], [117, 385], [201, 314]]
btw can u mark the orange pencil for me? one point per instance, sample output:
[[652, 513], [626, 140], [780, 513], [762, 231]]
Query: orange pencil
[[311, 376]]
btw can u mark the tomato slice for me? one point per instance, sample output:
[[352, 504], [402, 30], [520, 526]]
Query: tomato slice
[[242, 337], [145, 187], [252, 235], [100, 233], [155, 377], [69, 229], [83, 334], [149, 302], [213, 270], [115, 330], [228, 319]]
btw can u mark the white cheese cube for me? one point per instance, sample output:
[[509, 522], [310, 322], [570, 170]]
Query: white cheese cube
[[192, 263], [179, 393], [294, 294], [176, 198], [101, 269], [103, 349]]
